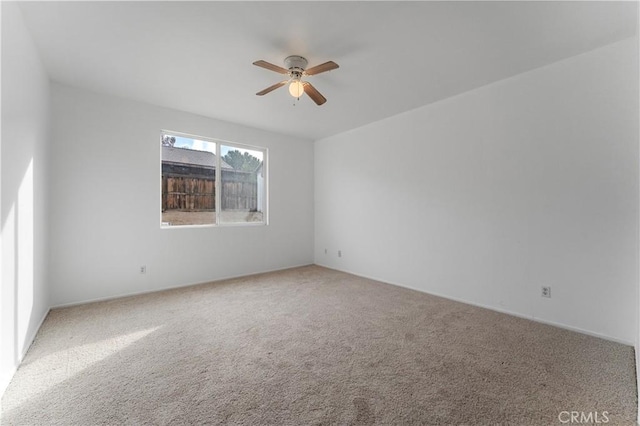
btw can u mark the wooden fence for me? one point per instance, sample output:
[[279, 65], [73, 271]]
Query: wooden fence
[[239, 192], [188, 193]]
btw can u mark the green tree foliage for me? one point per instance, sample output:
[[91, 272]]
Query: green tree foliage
[[168, 140], [242, 161]]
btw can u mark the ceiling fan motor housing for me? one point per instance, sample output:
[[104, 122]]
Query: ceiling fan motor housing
[[296, 65]]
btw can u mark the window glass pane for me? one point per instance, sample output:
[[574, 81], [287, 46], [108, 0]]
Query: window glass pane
[[188, 181], [242, 190]]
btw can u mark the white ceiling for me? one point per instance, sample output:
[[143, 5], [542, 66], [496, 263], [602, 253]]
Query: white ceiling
[[393, 56]]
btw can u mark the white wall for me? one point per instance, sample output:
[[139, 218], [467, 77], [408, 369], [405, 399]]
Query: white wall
[[105, 210], [487, 196], [637, 345], [24, 296]]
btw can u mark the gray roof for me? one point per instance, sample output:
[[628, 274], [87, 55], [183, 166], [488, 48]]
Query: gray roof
[[172, 154]]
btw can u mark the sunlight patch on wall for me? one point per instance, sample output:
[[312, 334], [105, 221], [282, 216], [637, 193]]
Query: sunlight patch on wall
[[8, 348], [25, 260]]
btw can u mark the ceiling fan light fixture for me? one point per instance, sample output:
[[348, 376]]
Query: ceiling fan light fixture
[[296, 88], [296, 69]]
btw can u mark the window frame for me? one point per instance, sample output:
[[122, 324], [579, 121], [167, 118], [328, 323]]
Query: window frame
[[218, 180]]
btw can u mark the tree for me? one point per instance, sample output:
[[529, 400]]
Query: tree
[[168, 140], [242, 161]]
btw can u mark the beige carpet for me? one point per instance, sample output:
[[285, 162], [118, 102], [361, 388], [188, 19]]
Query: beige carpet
[[311, 346]]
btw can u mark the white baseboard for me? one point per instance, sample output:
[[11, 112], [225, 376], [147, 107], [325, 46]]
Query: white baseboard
[[492, 308], [4, 383], [32, 337], [172, 287]]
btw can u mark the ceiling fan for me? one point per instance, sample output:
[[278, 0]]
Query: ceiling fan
[[296, 68]]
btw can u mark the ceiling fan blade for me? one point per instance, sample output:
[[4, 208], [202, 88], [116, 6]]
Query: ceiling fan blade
[[313, 93], [272, 88], [327, 66], [270, 66]]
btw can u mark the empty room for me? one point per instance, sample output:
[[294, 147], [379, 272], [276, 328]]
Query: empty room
[[297, 213]]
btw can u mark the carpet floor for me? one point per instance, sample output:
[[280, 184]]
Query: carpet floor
[[311, 346]]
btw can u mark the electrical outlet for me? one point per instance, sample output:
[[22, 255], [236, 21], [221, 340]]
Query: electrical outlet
[[143, 269], [546, 292], [339, 253]]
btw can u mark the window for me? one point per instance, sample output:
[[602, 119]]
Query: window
[[208, 182]]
